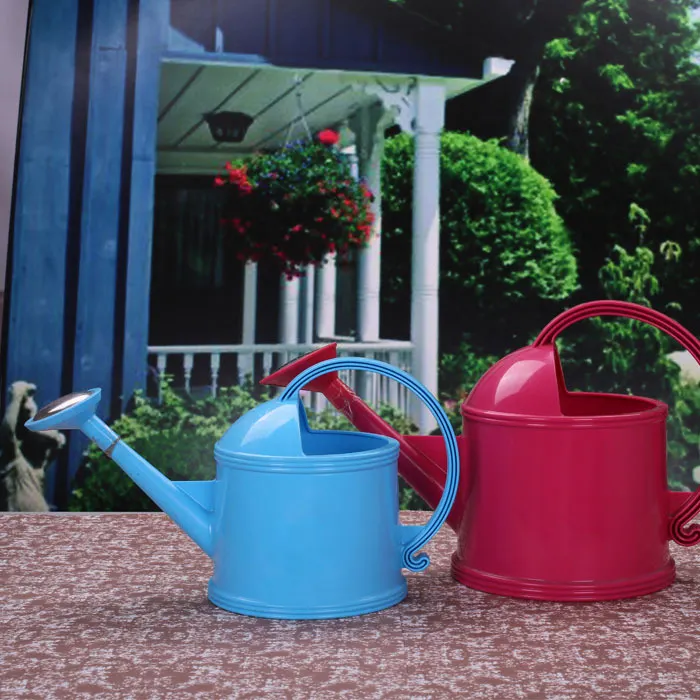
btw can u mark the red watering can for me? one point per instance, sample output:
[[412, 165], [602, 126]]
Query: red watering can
[[563, 495]]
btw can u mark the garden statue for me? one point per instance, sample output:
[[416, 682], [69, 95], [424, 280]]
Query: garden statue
[[24, 456]]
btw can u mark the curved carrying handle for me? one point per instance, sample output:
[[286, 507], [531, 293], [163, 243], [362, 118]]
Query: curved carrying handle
[[410, 558], [679, 530]]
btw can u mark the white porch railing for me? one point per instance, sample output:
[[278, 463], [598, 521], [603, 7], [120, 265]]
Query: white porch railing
[[254, 362]]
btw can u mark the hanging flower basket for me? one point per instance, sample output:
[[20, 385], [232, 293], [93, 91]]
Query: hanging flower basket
[[295, 206]]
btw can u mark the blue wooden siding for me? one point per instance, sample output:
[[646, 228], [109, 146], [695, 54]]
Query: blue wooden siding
[[80, 268], [94, 354], [34, 349], [153, 22], [361, 35], [196, 20]]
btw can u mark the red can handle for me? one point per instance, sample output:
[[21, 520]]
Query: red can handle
[[679, 529]]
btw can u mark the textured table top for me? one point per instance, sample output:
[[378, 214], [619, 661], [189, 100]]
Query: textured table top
[[114, 605]]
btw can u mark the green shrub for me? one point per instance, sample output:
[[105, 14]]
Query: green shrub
[[461, 370], [504, 249], [629, 357], [178, 438], [615, 355]]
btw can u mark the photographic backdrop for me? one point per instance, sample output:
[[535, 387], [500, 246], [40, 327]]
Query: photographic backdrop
[[172, 156]]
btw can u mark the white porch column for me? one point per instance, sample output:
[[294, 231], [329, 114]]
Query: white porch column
[[308, 283], [327, 276], [425, 268], [369, 126], [289, 310], [325, 298], [250, 304]]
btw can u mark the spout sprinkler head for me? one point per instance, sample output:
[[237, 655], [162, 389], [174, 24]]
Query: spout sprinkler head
[[66, 412], [61, 404]]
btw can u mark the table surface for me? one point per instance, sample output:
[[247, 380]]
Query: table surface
[[114, 605]]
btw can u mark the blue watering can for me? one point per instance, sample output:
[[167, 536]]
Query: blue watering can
[[300, 524]]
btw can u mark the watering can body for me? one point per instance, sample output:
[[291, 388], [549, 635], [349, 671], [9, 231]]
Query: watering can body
[[563, 495], [299, 524], [313, 537], [562, 504]]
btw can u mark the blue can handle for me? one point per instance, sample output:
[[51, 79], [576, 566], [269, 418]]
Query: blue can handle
[[410, 556]]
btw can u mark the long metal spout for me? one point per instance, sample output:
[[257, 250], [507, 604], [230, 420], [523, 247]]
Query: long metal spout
[[77, 411]]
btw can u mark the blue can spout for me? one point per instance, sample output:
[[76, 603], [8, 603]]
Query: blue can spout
[[79, 412]]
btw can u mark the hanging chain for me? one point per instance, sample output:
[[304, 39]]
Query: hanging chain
[[301, 117]]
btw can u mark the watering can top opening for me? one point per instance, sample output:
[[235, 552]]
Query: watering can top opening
[[279, 430], [530, 383]]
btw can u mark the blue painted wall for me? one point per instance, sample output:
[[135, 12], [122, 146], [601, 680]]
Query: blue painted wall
[[81, 233], [153, 21], [93, 342], [363, 35], [80, 268], [40, 236]]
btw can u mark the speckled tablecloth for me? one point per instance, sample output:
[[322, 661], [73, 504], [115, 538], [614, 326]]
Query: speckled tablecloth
[[114, 605]]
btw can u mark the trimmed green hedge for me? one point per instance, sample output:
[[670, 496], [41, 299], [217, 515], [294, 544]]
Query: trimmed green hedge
[[504, 248]]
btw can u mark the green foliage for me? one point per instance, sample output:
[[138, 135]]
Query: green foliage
[[684, 437], [618, 354], [514, 29], [614, 127], [504, 250], [178, 438], [629, 357], [612, 354], [293, 206], [511, 28], [460, 370]]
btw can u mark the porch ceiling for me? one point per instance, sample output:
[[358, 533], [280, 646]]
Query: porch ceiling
[[188, 90]]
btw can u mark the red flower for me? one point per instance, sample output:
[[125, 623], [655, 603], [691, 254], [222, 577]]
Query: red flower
[[218, 182], [297, 228], [328, 137]]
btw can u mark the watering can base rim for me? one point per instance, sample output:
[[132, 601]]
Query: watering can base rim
[[564, 591], [257, 608]]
